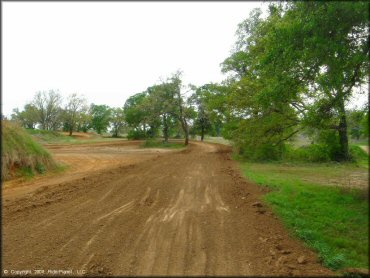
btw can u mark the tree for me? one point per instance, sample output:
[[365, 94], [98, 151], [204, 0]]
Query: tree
[[202, 121], [72, 112], [183, 113], [100, 117], [296, 69], [84, 120], [28, 117], [117, 121], [161, 108], [48, 106], [135, 115]]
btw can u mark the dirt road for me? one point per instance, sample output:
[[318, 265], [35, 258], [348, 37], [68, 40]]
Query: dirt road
[[177, 213]]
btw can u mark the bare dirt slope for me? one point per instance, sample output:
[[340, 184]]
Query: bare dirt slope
[[178, 213]]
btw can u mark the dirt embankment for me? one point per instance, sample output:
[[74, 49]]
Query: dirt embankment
[[175, 213]]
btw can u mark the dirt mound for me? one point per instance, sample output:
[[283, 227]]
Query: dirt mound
[[82, 135]]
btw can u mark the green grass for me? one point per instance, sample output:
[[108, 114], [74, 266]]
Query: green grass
[[21, 155], [160, 144], [360, 157], [55, 137], [47, 136], [333, 220], [360, 142]]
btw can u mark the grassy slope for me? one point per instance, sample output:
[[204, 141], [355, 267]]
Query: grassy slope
[[330, 219], [54, 137], [21, 155]]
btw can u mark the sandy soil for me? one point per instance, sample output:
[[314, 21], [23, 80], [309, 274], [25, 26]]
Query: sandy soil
[[183, 212]]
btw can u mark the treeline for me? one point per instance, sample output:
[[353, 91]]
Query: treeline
[[161, 110], [292, 72], [48, 111], [166, 110]]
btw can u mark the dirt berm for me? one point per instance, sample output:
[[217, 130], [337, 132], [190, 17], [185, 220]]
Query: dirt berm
[[184, 212]]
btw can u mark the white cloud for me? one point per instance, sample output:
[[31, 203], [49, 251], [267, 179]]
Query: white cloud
[[109, 51]]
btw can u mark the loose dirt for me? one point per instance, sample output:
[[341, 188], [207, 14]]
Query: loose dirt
[[186, 212]]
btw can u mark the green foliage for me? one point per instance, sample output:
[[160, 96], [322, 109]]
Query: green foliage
[[295, 69], [262, 152], [27, 118], [331, 220], [310, 153], [73, 113], [20, 152], [134, 113], [161, 106], [359, 156], [48, 136], [117, 121], [100, 115], [136, 134]]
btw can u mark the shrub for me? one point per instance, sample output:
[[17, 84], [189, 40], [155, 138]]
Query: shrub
[[310, 153], [262, 152], [329, 139], [136, 135]]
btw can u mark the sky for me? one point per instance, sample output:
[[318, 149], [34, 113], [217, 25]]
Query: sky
[[110, 51]]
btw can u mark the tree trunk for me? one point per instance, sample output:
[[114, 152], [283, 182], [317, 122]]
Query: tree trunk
[[343, 136], [70, 131], [202, 134], [165, 129], [186, 137], [186, 130]]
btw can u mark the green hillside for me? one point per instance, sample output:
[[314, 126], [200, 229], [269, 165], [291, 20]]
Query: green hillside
[[21, 155]]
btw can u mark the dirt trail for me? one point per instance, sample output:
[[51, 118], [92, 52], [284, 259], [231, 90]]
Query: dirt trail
[[82, 160], [179, 213]]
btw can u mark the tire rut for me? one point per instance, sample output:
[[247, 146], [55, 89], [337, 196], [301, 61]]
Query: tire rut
[[179, 213]]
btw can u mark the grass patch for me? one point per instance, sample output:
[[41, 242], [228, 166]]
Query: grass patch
[[47, 136], [162, 144], [55, 137], [360, 142], [332, 220], [21, 155], [360, 157]]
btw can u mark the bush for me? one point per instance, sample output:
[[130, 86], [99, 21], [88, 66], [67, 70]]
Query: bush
[[329, 139], [310, 153], [136, 135], [262, 152]]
